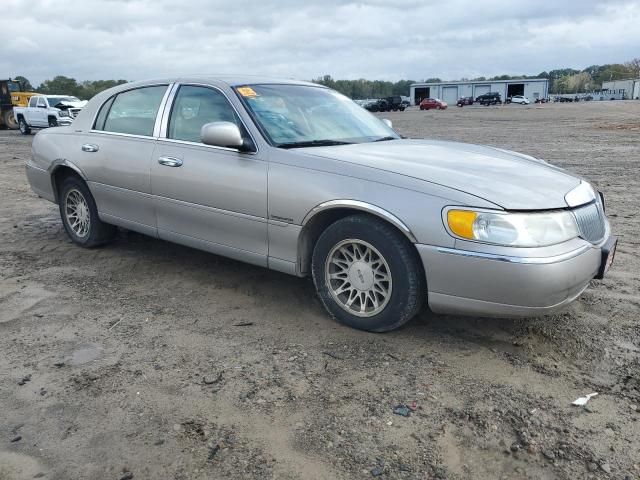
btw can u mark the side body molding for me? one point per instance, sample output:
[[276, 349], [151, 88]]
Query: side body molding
[[365, 207]]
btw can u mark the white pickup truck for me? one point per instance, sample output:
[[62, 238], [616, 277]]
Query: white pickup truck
[[47, 111]]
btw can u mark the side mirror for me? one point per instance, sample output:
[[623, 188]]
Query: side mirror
[[42, 106], [387, 122], [221, 134]]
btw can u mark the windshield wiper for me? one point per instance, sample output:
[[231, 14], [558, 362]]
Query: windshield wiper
[[385, 139], [312, 143]]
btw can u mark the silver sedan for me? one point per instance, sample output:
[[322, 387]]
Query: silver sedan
[[296, 177]]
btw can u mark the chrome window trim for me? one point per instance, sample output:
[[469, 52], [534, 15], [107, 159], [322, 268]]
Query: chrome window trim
[[169, 107], [365, 207], [200, 144], [166, 110], [161, 109], [511, 259], [118, 134], [138, 87]]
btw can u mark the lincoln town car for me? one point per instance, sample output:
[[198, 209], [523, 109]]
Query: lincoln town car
[[296, 177]]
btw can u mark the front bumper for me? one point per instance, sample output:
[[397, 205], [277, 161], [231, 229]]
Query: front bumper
[[468, 282]]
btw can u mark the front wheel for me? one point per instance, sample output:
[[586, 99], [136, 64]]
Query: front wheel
[[24, 128], [80, 215], [367, 274], [53, 122]]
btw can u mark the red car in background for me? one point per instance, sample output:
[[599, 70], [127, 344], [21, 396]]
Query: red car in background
[[429, 103]]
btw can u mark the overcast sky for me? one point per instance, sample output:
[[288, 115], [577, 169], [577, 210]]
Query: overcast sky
[[380, 39]]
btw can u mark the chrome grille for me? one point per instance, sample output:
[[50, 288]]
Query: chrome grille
[[590, 220], [74, 112]]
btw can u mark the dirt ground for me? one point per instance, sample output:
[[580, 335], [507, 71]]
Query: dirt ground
[[148, 360]]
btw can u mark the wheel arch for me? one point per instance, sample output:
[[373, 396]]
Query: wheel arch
[[324, 214], [61, 169]]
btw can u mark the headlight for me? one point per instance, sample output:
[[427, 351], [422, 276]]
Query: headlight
[[513, 229], [63, 113]]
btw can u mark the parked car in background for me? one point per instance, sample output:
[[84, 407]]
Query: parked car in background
[[395, 103], [433, 103], [295, 177], [47, 111], [491, 98], [462, 101], [521, 99], [379, 105]]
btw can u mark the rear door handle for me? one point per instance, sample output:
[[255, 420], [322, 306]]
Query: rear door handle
[[87, 147], [170, 161]]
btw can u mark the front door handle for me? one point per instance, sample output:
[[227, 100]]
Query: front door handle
[[87, 147], [170, 161]]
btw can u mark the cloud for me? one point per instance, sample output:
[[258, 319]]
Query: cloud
[[380, 39]]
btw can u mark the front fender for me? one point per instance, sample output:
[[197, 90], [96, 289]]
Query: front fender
[[365, 207]]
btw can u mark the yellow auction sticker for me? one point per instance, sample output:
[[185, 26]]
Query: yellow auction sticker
[[247, 92]]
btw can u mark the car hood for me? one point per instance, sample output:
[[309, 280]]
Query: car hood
[[509, 179], [65, 104]]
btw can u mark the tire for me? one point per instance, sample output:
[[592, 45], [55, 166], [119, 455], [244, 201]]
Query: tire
[[421, 107], [23, 126], [388, 251], [53, 122], [10, 120], [91, 231]]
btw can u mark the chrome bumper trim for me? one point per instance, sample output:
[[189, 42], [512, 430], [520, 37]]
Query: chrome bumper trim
[[510, 259]]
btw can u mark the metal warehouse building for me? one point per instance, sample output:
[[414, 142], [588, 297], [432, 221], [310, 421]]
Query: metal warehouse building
[[450, 92], [629, 88]]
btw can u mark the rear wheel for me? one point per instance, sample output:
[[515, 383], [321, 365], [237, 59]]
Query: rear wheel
[[80, 215], [367, 274], [10, 120], [24, 128]]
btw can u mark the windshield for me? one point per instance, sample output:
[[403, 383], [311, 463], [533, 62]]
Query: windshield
[[53, 101], [298, 114]]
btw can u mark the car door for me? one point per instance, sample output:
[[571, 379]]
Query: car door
[[31, 110], [208, 197], [40, 113], [115, 155]]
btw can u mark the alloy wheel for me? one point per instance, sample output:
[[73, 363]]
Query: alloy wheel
[[358, 277], [77, 213]]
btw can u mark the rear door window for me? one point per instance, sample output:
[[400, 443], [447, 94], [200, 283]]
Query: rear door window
[[132, 112]]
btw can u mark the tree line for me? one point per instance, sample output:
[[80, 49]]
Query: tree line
[[563, 80], [70, 86]]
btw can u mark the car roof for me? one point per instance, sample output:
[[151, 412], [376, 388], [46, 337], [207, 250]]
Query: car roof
[[230, 80]]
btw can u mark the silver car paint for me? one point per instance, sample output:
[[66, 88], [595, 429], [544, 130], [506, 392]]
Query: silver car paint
[[257, 207]]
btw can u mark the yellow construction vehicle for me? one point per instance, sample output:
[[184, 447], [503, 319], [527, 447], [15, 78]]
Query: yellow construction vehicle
[[12, 94]]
